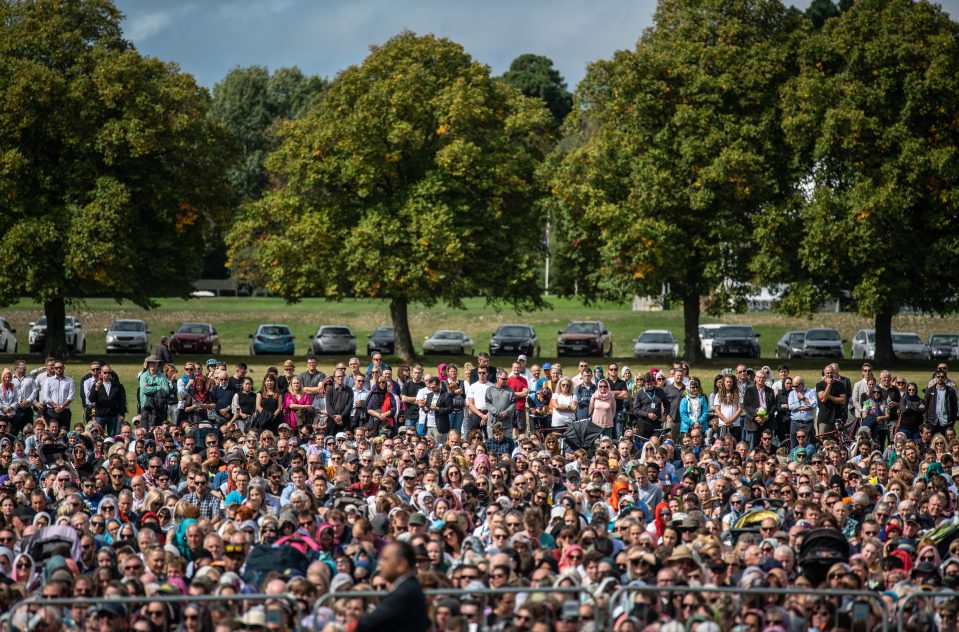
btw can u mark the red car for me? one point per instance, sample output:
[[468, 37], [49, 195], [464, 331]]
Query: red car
[[195, 337]]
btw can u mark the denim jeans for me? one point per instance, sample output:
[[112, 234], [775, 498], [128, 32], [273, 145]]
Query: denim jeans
[[456, 420]]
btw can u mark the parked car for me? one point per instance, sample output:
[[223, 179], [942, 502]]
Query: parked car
[[729, 340], [823, 343], [943, 346], [382, 340], [333, 339], [790, 345], [909, 346], [195, 337], [513, 340], [585, 338], [449, 341], [272, 339], [127, 335], [864, 345], [656, 343], [76, 339], [8, 342]]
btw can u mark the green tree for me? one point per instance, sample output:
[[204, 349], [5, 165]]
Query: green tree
[[872, 115], [111, 174], [248, 102], [412, 179], [821, 10], [535, 76], [681, 148]]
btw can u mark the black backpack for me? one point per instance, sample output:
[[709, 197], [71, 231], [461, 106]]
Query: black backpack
[[264, 558]]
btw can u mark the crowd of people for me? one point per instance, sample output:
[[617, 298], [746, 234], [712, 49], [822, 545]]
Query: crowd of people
[[312, 488]]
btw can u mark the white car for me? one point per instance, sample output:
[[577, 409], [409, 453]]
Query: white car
[[127, 335], [656, 343], [864, 345], [909, 346], [76, 339], [8, 342], [449, 342]]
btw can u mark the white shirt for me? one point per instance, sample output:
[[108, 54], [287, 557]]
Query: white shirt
[[26, 388], [427, 415], [56, 390], [477, 393], [563, 417]]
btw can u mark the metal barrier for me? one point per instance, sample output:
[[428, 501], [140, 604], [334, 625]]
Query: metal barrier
[[902, 616], [619, 602], [296, 611], [598, 611]]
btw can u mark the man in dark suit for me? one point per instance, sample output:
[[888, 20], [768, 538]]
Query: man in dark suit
[[404, 608], [942, 404], [757, 399], [436, 406]]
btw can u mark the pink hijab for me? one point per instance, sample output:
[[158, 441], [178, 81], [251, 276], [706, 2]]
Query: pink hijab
[[441, 372]]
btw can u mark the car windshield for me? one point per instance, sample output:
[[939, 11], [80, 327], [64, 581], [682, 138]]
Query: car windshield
[[68, 322], [513, 330], [448, 335], [192, 329], [797, 336], [735, 332], [127, 325], [274, 330], [906, 339], [656, 338], [383, 331], [582, 328], [335, 331], [945, 341], [822, 334]]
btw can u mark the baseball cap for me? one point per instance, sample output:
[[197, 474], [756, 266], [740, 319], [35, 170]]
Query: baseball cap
[[409, 473], [284, 426], [522, 357], [341, 436], [547, 366], [417, 519], [211, 362]]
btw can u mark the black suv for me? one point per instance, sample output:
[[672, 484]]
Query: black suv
[[382, 340], [513, 340]]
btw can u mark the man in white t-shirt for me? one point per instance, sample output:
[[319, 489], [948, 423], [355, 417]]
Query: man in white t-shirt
[[476, 402], [524, 372]]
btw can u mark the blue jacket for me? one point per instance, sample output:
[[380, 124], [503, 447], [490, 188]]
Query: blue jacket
[[686, 422]]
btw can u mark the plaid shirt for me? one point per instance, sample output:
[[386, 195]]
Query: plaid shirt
[[209, 505], [506, 446]]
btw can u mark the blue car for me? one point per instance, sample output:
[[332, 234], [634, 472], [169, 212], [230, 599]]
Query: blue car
[[272, 339]]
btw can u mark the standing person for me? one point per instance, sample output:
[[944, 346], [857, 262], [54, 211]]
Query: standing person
[[360, 393], [297, 405], [457, 390], [152, 394], [476, 402], [239, 374], [521, 389], [803, 404], [583, 392], [355, 372], [941, 403], [283, 381], [783, 374], [404, 608], [650, 407], [436, 406], [861, 388], [619, 389], [57, 394], [831, 394], [912, 412], [602, 408], [244, 404], [675, 390], [501, 401], [408, 392], [847, 391], [693, 408], [381, 408], [524, 372], [312, 378], [163, 351], [339, 403], [26, 396], [728, 407], [109, 401], [563, 404], [269, 405], [482, 362], [172, 392], [86, 382], [757, 406], [783, 415], [8, 398]]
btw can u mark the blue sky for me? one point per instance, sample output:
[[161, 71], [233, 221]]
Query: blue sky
[[209, 37]]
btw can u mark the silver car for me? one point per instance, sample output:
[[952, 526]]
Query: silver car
[[449, 341], [8, 342], [822, 343], [127, 335], [943, 346], [909, 346], [334, 339], [864, 345], [656, 343]]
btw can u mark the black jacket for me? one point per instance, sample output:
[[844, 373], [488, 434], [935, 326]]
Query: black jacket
[[402, 610], [339, 401], [951, 405], [654, 401], [751, 405], [109, 405], [444, 406]]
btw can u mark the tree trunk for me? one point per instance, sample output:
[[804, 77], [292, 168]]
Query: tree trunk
[[884, 353], [401, 329], [55, 344], [692, 353]]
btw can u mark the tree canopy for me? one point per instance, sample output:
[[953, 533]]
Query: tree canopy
[[96, 140], [871, 116], [681, 147], [411, 180], [535, 76]]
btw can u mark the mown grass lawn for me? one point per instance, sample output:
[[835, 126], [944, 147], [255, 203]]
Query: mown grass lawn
[[237, 318]]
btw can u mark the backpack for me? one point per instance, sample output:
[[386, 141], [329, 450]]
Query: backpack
[[265, 558]]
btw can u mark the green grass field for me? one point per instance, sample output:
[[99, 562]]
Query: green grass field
[[237, 318]]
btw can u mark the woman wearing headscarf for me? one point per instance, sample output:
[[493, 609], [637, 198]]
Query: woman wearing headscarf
[[198, 401], [25, 572], [602, 408], [381, 407]]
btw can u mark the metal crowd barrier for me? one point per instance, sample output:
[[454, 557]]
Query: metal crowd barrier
[[902, 616], [619, 602], [296, 611], [598, 611]]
